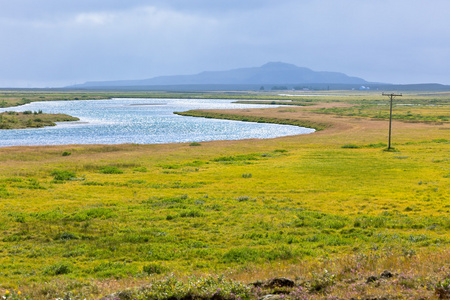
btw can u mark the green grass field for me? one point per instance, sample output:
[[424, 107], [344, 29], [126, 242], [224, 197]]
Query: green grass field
[[85, 221]]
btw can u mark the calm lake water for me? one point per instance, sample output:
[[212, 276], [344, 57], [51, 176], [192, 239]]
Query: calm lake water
[[140, 121]]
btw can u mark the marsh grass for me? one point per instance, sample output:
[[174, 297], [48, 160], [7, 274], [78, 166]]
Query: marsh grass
[[343, 277], [310, 205], [110, 170], [407, 110]]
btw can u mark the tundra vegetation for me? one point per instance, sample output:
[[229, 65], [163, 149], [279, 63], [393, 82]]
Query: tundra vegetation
[[30, 119], [332, 211]]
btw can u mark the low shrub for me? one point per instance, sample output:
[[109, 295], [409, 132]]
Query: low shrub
[[242, 157], [195, 288], [110, 170], [442, 289], [192, 213], [65, 236], [242, 255], [62, 175], [377, 145], [350, 146], [242, 198], [58, 269], [140, 169], [154, 268], [93, 213]]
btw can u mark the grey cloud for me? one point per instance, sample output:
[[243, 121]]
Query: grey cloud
[[64, 42]]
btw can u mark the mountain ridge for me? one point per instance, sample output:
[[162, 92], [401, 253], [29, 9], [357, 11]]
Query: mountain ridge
[[269, 73]]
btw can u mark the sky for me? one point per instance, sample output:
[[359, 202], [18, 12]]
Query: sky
[[55, 43]]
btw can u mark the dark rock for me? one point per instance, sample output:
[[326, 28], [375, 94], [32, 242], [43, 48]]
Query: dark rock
[[280, 282], [272, 297], [442, 293], [371, 278], [257, 284], [217, 297], [386, 274], [124, 295]]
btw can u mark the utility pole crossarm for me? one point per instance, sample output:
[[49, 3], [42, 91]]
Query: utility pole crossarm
[[391, 96]]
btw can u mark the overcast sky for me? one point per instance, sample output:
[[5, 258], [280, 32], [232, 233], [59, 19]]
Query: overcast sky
[[53, 43]]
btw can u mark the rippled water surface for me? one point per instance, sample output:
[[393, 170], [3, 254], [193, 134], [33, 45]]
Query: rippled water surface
[[140, 121]]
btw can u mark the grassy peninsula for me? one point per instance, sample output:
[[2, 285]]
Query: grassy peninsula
[[257, 119], [29, 119], [332, 211]]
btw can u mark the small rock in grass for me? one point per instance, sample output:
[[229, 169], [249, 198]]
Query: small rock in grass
[[386, 274], [272, 297], [257, 284], [280, 282]]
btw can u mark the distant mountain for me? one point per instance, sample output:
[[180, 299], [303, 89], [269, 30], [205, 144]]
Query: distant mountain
[[270, 73]]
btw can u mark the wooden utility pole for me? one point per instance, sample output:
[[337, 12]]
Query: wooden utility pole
[[392, 95]]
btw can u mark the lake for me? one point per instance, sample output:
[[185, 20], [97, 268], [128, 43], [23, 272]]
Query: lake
[[140, 121]]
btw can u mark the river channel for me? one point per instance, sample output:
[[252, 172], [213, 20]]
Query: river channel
[[140, 121]]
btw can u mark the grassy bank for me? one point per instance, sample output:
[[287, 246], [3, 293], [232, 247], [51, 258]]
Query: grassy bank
[[328, 210], [257, 119], [18, 97], [29, 119]]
